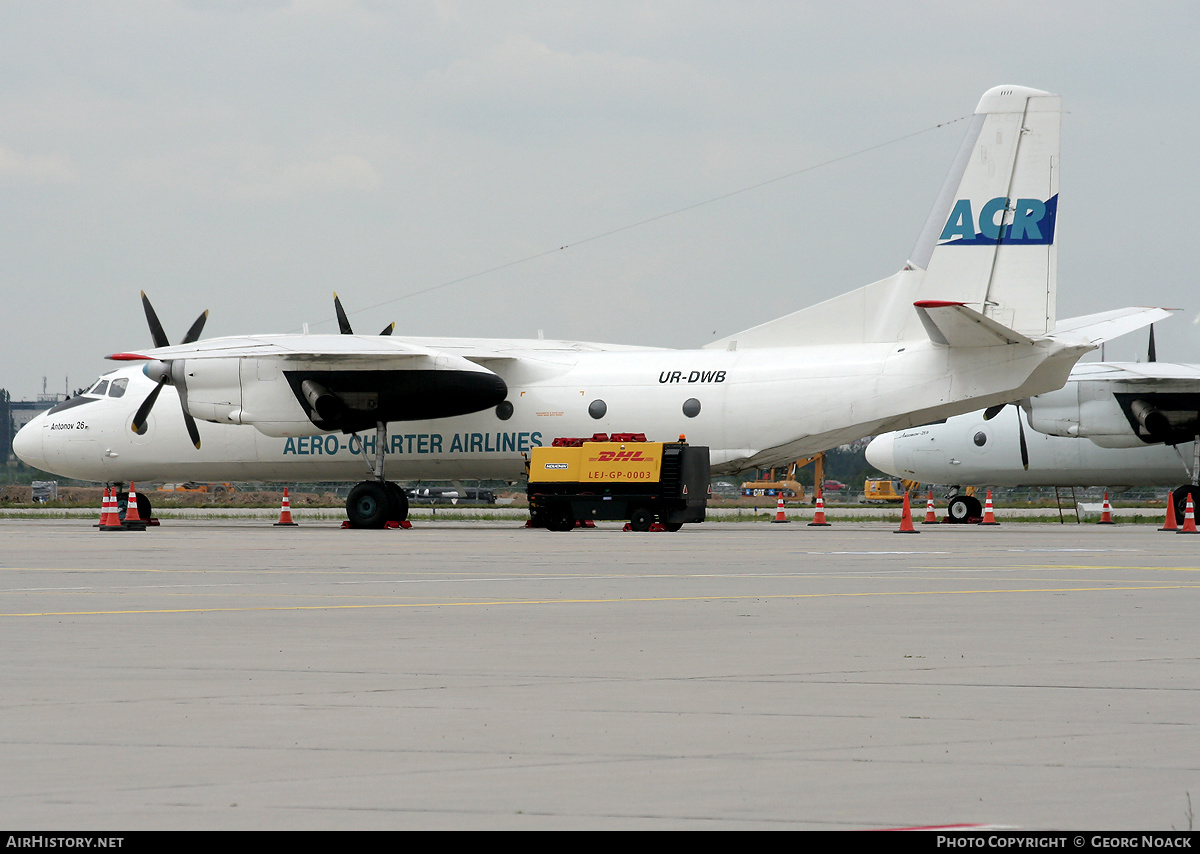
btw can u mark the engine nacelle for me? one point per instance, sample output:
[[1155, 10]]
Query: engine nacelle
[[287, 397], [1086, 409], [211, 389], [1117, 414], [242, 391]]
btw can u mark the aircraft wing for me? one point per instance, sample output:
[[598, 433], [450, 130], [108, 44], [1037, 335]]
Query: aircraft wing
[[333, 382], [318, 347], [290, 348]]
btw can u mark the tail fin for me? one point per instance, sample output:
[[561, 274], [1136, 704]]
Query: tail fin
[[989, 242]]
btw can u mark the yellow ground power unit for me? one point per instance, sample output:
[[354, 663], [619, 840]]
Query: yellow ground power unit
[[618, 477]]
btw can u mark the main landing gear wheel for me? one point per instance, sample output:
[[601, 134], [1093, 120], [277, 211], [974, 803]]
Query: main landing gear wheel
[[399, 501], [144, 507], [672, 526], [964, 507], [372, 504]]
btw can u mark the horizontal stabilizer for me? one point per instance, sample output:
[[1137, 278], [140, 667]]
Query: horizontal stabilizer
[[955, 325], [1105, 325]]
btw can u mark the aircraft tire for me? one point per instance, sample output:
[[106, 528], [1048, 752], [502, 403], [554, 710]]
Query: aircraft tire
[[641, 519], [1179, 496], [144, 506], [369, 505], [962, 508], [672, 526], [399, 502]]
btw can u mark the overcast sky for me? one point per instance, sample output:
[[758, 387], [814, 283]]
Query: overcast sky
[[252, 156]]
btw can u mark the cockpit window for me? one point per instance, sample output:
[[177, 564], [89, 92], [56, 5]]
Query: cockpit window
[[99, 388], [118, 387]]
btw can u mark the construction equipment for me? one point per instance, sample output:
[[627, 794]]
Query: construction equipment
[[192, 486], [618, 477], [883, 490], [772, 489], [771, 486]]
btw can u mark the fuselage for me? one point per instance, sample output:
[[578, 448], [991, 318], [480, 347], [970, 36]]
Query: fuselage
[[751, 407]]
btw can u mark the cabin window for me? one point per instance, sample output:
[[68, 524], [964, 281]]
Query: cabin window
[[691, 407], [981, 438], [505, 410], [597, 408]]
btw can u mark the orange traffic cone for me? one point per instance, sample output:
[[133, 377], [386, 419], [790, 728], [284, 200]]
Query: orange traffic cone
[[1106, 512], [930, 514], [1189, 518], [780, 516], [906, 525], [285, 512], [110, 519], [133, 521], [103, 510], [819, 514], [1170, 525], [114, 511], [989, 517]]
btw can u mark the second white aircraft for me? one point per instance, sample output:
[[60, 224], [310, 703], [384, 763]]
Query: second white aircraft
[[1113, 424]]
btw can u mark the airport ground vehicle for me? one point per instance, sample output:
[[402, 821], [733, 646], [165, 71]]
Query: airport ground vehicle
[[618, 477], [45, 491], [449, 495], [773, 488]]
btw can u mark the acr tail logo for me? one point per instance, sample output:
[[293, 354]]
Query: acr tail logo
[[1032, 223]]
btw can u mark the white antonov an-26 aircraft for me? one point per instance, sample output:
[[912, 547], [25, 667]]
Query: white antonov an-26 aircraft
[[1113, 424], [969, 321]]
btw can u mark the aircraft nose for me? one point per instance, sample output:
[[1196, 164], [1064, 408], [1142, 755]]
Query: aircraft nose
[[27, 444], [881, 453]]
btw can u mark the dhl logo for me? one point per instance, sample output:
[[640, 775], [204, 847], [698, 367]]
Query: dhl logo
[[621, 457]]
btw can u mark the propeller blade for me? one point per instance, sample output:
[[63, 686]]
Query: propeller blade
[[387, 330], [1021, 436], [156, 330], [194, 433], [992, 411], [139, 418], [343, 321], [193, 334], [1152, 356]]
